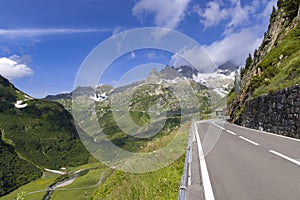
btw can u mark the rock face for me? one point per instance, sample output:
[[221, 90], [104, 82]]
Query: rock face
[[277, 112], [280, 26], [187, 71]]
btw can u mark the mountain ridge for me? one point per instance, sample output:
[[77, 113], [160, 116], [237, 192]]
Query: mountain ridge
[[220, 80]]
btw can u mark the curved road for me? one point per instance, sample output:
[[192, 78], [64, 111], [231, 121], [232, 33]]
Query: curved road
[[245, 164]]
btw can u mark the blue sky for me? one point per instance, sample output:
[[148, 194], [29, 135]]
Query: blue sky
[[43, 43]]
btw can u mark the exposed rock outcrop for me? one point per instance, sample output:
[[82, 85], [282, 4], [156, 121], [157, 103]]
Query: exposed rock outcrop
[[280, 25]]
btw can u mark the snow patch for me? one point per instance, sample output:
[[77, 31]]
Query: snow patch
[[160, 82], [214, 80], [99, 97], [221, 92], [55, 171], [176, 80], [19, 104], [28, 97], [198, 78], [226, 86]]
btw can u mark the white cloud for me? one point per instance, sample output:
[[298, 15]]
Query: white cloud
[[212, 15], [12, 68], [40, 32], [243, 32], [195, 56], [234, 47], [236, 14], [167, 13]]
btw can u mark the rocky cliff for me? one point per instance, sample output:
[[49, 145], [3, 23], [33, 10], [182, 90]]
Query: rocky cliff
[[275, 65]]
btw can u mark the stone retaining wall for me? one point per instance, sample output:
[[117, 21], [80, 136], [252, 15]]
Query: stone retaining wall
[[277, 112]]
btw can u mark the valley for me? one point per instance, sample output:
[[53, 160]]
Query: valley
[[226, 128], [19, 123]]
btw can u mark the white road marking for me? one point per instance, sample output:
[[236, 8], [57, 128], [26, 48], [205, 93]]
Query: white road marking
[[208, 192], [231, 132], [285, 157], [250, 141]]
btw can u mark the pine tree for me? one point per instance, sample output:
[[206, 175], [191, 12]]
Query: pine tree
[[248, 61], [273, 15], [280, 3], [255, 53]]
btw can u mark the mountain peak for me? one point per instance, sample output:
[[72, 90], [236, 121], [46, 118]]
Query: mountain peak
[[227, 68]]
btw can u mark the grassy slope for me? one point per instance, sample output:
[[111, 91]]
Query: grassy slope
[[287, 73], [40, 135], [14, 171], [48, 179], [75, 191], [44, 133], [40, 184], [161, 184]]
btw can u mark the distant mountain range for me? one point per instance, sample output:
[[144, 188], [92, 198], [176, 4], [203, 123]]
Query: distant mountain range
[[221, 81], [178, 92]]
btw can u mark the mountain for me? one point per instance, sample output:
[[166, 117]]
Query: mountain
[[164, 94], [79, 91], [187, 71], [227, 68], [275, 65], [59, 96], [171, 94], [219, 81], [35, 134]]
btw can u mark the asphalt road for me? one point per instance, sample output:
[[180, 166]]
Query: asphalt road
[[247, 164]]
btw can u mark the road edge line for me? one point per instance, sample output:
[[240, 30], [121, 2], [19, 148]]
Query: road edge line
[[208, 191]]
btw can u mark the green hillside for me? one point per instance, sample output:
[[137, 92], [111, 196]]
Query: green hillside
[[278, 74], [14, 171], [39, 135]]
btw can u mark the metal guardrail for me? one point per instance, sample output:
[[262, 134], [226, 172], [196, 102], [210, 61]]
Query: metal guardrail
[[186, 177]]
